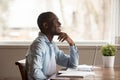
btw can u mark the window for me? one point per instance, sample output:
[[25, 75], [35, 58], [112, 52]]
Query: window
[[83, 20]]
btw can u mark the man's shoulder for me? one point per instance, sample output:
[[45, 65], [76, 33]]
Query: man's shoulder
[[37, 43]]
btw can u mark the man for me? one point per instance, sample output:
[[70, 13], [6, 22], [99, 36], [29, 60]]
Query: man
[[43, 53]]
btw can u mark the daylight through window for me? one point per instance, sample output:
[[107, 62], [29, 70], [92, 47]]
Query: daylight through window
[[83, 20]]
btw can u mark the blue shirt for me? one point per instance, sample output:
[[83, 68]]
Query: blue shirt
[[37, 59]]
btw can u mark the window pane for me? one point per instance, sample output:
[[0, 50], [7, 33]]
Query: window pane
[[81, 19]]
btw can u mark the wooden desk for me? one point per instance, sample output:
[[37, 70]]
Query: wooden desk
[[101, 74]]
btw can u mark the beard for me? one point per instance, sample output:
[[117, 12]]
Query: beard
[[56, 31]]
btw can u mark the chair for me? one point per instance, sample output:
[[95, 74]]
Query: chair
[[21, 65]]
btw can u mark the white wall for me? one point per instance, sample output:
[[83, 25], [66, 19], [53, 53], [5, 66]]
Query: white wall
[[11, 53]]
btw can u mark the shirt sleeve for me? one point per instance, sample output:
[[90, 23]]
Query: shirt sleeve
[[37, 68], [35, 61], [71, 60]]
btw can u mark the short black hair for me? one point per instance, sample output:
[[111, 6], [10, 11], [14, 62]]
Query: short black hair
[[44, 17]]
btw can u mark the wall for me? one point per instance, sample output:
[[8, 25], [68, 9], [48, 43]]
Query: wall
[[11, 53]]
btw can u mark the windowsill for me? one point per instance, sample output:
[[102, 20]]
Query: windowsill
[[13, 43], [27, 43]]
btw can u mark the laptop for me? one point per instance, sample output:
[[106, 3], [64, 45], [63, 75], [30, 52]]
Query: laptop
[[89, 67], [94, 58]]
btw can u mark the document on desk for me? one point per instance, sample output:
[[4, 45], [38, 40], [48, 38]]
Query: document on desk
[[81, 72]]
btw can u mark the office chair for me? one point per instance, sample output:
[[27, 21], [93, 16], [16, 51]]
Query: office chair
[[21, 65]]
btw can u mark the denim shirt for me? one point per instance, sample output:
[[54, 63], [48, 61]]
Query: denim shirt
[[37, 57]]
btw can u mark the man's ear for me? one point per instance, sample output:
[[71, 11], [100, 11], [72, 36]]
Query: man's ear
[[45, 25]]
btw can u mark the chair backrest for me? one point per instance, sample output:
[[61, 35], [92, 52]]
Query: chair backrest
[[22, 68]]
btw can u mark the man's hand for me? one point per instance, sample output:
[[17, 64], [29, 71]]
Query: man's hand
[[63, 36]]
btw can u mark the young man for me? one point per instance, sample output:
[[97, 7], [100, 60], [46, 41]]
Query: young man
[[43, 53]]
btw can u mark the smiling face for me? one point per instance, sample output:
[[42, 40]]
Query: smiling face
[[54, 26], [49, 24]]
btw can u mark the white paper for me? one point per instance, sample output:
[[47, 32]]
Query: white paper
[[84, 68], [76, 73]]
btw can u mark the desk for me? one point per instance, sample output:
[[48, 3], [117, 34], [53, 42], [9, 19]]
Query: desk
[[101, 74]]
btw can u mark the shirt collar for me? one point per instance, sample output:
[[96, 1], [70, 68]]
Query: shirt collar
[[44, 37]]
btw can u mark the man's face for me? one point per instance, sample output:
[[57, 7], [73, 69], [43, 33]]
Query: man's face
[[54, 25]]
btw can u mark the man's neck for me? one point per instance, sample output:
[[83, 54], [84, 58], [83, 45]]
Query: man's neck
[[50, 37]]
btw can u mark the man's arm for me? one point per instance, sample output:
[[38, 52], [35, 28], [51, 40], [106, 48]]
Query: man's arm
[[73, 59], [34, 67], [65, 60]]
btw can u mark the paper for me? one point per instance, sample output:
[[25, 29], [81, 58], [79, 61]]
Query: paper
[[80, 71], [84, 68], [76, 73]]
